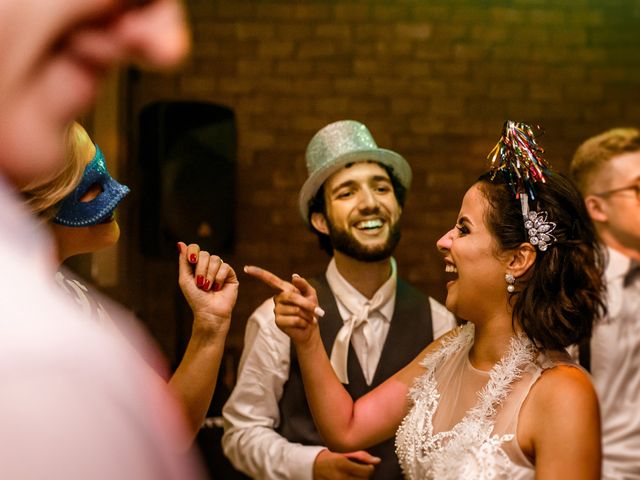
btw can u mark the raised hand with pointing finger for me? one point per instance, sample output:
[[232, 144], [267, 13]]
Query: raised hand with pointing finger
[[296, 314], [296, 304]]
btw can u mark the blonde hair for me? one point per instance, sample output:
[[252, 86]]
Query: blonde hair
[[43, 196], [597, 151]]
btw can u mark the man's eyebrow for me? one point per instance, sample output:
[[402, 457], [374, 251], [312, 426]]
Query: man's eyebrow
[[381, 178], [346, 183]]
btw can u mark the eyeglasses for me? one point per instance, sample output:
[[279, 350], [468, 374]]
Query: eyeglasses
[[607, 193]]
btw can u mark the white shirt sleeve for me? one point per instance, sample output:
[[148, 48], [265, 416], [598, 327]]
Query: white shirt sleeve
[[442, 319], [251, 414], [76, 403]]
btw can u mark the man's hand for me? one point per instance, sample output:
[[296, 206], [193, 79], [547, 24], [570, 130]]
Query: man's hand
[[343, 466]]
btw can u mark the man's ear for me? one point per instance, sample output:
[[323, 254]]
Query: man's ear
[[597, 208], [319, 222], [521, 259]]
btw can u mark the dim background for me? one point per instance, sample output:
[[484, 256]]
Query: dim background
[[432, 79]]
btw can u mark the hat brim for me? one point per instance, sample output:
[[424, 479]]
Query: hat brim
[[400, 167]]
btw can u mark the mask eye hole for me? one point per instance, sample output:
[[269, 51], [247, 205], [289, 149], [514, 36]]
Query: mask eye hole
[[92, 192]]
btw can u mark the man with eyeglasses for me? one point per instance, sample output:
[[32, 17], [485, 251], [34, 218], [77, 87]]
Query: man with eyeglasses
[[606, 168]]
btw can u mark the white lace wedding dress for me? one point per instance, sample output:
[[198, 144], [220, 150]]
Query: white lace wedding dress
[[463, 421]]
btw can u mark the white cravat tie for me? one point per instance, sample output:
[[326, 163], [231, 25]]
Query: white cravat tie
[[359, 316]]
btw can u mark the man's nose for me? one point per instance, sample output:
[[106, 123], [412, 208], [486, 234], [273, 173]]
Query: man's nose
[[368, 200]]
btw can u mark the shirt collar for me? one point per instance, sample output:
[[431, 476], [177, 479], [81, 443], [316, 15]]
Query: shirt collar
[[338, 283], [618, 265]]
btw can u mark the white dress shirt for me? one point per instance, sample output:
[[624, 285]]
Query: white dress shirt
[[75, 402], [251, 414], [615, 366]]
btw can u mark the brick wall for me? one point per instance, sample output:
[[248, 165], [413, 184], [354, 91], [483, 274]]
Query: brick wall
[[433, 79]]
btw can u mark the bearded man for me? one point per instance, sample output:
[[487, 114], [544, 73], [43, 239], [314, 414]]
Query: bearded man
[[373, 322]]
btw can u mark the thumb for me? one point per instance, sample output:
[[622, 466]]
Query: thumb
[[305, 288], [363, 457], [308, 292], [184, 267]]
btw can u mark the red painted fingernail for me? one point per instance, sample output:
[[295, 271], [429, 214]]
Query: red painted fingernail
[[207, 284], [199, 280], [193, 258], [217, 287], [178, 247]]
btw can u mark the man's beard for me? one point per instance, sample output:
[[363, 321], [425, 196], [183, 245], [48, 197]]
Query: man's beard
[[344, 242]]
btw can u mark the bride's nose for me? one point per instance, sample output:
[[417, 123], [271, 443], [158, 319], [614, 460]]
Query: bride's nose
[[444, 243]]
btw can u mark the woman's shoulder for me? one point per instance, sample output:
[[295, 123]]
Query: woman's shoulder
[[560, 417], [563, 394], [564, 380]]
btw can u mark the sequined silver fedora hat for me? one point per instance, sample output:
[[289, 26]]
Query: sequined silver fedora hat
[[338, 144]]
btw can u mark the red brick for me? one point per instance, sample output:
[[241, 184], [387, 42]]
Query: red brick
[[270, 11], [470, 52], [288, 105], [397, 48], [294, 31], [368, 67], [497, 33], [279, 49], [352, 13], [337, 105], [236, 85], [312, 12], [507, 15], [257, 30], [331, 30], [371, 32], [585, 92], [234, 10], [316, 49], [258, 139], [547, 17], [393, 12], [350, 85], [333, 67], [419, 31], [431, 11], [254, 67], [507, 90], [198, 85]]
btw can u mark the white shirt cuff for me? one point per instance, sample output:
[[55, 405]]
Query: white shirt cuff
[[302, 465]]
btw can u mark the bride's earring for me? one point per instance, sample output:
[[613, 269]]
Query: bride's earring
[[511, 280]]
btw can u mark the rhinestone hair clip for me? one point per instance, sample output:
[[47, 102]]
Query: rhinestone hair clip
[[537, 227], [518, 158]]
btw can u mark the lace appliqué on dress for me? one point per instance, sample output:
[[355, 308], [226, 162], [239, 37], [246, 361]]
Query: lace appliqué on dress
[[468, 450]]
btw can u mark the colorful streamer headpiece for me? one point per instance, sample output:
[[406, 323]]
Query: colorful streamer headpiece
[[518, 159]]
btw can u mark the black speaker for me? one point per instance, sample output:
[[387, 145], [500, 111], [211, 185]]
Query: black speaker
[[187, 158]]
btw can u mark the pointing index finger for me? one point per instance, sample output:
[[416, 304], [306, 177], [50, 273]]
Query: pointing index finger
[[268, 278]]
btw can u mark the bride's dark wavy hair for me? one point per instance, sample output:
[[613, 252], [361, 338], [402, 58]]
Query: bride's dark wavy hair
[[557, 302]]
